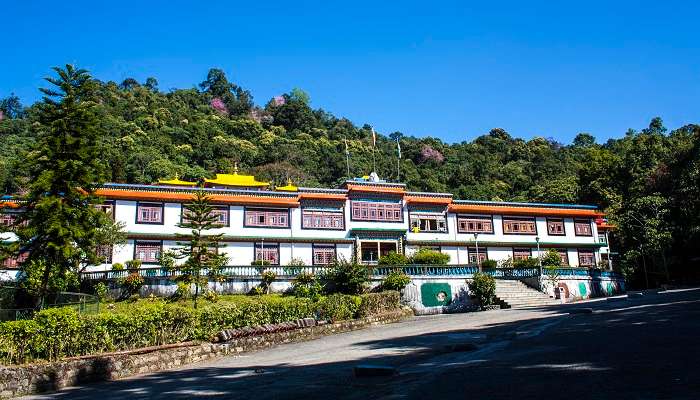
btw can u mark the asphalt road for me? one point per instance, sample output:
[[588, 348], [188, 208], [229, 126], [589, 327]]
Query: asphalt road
[[645, 348]]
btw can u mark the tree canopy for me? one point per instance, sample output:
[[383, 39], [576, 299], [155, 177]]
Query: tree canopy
[[148, 134]]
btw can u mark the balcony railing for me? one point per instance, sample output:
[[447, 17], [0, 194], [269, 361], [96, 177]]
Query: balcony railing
[[377, 272]]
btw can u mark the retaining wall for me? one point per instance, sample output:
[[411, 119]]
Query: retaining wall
[[42, 377]]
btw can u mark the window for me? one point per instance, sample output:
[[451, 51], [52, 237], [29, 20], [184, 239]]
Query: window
[[602, 239], [519, 226], [473, 255], [586, 258], [7, 219], [322, 219], [147, 252], [376, 211], [221, 213], [429, 222], [468, 224], [555, 227], [269, 252], [106, 207], [582, 227], [105, 252], [149, 213], [324, 254], [521, 254], [564, 255], [266, 217], [14, 261]]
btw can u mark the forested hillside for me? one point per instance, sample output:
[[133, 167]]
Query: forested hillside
[[647, 180]]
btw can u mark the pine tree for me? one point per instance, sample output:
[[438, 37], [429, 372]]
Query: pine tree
[[202, 260], [60, 228]]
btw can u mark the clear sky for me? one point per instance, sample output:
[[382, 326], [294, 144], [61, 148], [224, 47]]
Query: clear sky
[[446, 69]]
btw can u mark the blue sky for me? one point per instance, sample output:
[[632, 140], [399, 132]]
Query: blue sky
[[446, 69]]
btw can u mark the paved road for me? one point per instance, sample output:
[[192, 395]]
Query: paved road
[[630, 349]]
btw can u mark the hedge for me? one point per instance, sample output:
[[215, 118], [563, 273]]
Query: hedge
[[62, 332]]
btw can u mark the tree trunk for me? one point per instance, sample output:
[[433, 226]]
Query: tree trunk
[[646, 274]]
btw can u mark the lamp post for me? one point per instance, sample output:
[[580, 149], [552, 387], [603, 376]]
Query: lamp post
[[478, 259], [539, 256]]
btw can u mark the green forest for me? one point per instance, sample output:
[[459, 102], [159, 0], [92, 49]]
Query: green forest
[[647, 180]]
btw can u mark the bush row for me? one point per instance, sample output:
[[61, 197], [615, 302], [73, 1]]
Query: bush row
[[62, 332]]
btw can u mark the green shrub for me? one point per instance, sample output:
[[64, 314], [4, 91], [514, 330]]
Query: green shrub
[[211, 296], [489, 264], [430, 257], [183, 291], [117, 267], [377, 303], [133, 265], [551, 258], [347, 277], [294, 267], [132, 284], [395, 280], [338, 307], [101, 291], [267, 277], [61, 332], [260, 262], [256, 291], [306, 285], [529, 262], [393, 258], [483, 288]]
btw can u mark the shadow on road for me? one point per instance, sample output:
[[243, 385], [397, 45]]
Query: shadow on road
[[641, 349]]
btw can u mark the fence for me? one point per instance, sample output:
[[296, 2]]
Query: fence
[[81, 302], [289, 272]]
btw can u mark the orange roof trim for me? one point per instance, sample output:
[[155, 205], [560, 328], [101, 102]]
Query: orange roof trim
[[428, 200], [376, 189], [323, 196], [506, 210], [178, 197]]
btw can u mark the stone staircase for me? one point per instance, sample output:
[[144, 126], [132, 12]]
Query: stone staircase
[[515, 294]]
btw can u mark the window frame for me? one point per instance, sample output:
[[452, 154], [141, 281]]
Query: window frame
[[521, 219], [588, 222], [373, 208], [482, 250], [592, 252], [563, 227], [146, 242], [564, 263], [514, 249], [153, 205], [223, 207], [265, 209], [340, 213], [315, 246], [433, 216], [488, 218], [266, 245]]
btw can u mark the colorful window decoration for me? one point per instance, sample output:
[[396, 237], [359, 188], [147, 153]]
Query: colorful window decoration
[[15, 261], [149, 213], [582, 227], [555, 227], [376, 211], [105, 252], [428, 222], [148, 252], [519, 226], [322, 219], [7, 219], [473, 255], [269, 252], [221, 213], [268, 218], [564, 255], [473, 224], [324, 254], [521, 254], [106, 207], [586, 258]]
